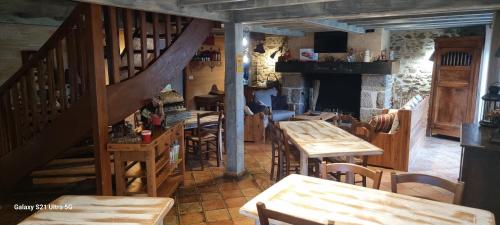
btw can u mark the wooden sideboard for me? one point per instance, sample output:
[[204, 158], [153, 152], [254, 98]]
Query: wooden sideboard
[[480, 169], [147, 167]]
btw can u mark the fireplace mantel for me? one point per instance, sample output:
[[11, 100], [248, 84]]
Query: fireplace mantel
[[379, 68]]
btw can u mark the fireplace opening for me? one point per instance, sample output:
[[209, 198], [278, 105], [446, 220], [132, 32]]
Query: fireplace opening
[[338, 93]]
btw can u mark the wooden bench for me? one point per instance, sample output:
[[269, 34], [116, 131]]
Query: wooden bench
[[400, 145]]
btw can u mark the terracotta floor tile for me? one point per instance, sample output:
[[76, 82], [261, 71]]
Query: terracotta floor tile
[[210, 196], [192, 218], [232, 194], [217, 215], [213, 204], [251, 192], [227, 222], [189, 198], [235, 202], [235, 213], [191, 207], [171, 220], [244, 221]]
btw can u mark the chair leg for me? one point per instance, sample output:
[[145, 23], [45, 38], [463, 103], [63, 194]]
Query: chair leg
[[365, 164], [273, 158], [200, 153]]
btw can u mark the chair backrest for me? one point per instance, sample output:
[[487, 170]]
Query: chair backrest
[[375, 175], [279, 142], [456, 188], [211, 126], [363, 130], [265, 214]]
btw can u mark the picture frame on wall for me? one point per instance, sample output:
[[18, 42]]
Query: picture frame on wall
[[308, 54]]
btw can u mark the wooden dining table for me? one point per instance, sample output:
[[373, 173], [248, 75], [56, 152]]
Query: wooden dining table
[[192, 122], [322, 200], [319, 139], [89, 210]]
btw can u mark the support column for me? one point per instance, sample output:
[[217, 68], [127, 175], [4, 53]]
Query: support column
[[234, 99], [98, 98], [494, 61]]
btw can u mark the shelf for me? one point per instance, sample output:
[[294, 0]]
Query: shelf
[[170, 185], [389, 67], [162, 175]]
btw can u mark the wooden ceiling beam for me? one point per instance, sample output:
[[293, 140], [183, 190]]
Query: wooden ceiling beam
[[258, 4], [363, 8], [206, 2], [422, 16], [274, 31], [335, 25]]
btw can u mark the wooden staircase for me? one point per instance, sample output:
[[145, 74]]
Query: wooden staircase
[[45, 107]]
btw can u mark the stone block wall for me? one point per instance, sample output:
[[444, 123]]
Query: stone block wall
[[294, 86], [376, 95], [413, 49], [262, 66]]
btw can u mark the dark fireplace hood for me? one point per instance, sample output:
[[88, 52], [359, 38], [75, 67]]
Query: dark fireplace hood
[[376, 68]]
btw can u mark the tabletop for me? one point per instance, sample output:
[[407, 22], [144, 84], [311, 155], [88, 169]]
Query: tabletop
[[319, 138], [321, 116], [321, 200], [102, 210]]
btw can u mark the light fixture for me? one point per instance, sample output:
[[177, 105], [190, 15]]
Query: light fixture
[[245, 42], [245, 59]]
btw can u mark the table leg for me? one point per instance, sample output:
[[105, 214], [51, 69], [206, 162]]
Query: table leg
[[151, 174], [304, 163], [349, 175], [119, 174]]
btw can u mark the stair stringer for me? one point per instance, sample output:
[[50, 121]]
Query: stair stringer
[[123, 99]]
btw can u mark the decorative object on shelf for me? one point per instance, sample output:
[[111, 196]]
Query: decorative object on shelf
[[367, 56], [146, 136], [392, 55], [209, 57], [350, 56], [491, 106], [280, 49], [307, 54]]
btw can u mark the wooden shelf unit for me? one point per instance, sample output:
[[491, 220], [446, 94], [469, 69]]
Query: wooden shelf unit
[[142, 168]]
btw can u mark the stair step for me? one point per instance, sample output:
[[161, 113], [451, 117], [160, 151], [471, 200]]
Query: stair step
[[71, 171], [60, 180], [126, 68], [139, 51], [69, 161], [78, 152]]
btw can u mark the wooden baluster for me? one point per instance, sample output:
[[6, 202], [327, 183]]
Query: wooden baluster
[[61, 81], [6, 115], [51, 85], [42, 92], [4, 141], [144, 40], [156, 35], [82, 57], [112, 45], [178, 24], [14, 106], [72, 66], [168, 31], [33, 96], [129, 41], [25, 107]]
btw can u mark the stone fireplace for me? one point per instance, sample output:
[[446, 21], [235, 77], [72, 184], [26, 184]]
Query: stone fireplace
[[375, 92]]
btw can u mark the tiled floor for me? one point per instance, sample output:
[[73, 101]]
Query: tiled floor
[[208, 198]]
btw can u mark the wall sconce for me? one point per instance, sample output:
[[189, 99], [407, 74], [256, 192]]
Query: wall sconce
[[259, 48]]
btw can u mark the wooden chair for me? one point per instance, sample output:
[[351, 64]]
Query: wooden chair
[[345, 121], [275, 149], [456, 188], [375, 175], [265, 214], [285, 157], [366, 132], [206, 134]]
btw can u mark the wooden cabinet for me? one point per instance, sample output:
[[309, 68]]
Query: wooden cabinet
[[454, 84], [480, 169], [148, 168]]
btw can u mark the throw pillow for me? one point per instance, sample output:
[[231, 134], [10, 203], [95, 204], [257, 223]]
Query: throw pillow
[[264, 95], [257, 106], [279, 102], [395, 124], [383, 123]]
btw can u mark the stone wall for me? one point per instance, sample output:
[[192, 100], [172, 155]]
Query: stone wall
[[294, 86], [262, 66], [376, 95], [413, 49]]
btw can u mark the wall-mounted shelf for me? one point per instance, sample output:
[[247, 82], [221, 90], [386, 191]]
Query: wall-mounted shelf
[[210, 63], [389, 67]]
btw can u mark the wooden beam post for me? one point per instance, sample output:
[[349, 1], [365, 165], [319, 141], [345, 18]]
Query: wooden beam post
[[234, 101], [494, 61], [98, 98]]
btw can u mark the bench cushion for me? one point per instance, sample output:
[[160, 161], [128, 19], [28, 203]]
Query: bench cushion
[[264, 96]]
